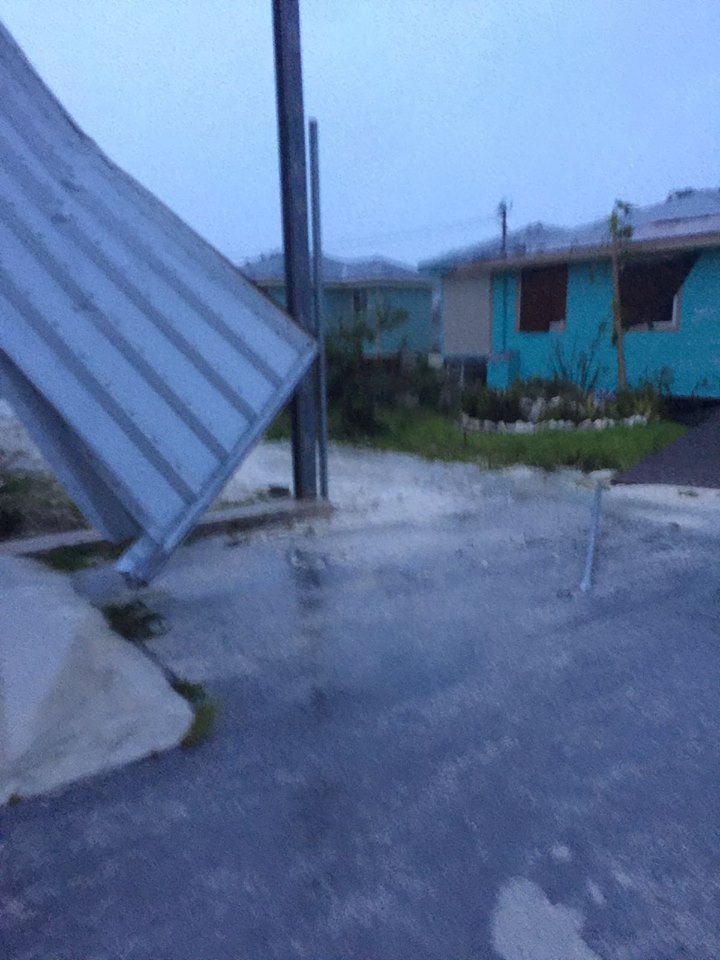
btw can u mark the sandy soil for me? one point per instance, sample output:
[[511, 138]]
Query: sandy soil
[[374, 487]]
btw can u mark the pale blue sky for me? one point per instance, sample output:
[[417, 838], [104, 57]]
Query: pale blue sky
[[430, 110]]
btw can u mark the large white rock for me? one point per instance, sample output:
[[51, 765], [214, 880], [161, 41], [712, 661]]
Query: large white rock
[[75, 699]]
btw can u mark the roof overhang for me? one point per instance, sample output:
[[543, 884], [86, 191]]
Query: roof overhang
[[581, 254]]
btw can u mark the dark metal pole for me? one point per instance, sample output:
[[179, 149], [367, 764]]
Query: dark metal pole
[[318, 307], [293, 181], [502, 213]]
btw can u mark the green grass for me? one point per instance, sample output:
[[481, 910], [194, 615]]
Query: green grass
[[135, 620], [204, 713], [437, 437], [192, 692], [81, 557]]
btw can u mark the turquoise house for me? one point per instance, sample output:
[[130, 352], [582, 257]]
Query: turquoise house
[[362, 289], [543, 304]]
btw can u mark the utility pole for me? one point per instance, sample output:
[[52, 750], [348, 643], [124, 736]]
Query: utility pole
[[318, 307], [502, 213], [293, 182], [621, 231]]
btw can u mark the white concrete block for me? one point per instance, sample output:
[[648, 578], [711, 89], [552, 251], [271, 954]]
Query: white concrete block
[[75, 699]]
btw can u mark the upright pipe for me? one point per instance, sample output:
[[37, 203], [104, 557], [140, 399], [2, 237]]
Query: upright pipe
[[293, 181], [318, 307], [586, 582]]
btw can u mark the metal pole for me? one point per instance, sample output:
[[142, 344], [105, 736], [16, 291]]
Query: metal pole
[[586, 583], [318, 305], [293, 181]]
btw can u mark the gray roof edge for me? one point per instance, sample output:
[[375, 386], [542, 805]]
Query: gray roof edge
[[684, 215], [396, 273]]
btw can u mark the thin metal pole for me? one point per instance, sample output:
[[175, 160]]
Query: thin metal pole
[[293, 181], [586, 582], [318, 307]]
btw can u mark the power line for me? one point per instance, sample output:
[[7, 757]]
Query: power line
[[417, 231], [414, 233]]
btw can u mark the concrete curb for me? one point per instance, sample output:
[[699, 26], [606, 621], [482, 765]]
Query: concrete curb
[[277, 513]]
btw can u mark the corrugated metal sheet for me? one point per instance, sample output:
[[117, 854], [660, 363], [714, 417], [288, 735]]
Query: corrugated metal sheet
[[142, 361], [684, 215]]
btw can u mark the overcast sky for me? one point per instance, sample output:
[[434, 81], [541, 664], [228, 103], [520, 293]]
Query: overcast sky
[[430, 111]]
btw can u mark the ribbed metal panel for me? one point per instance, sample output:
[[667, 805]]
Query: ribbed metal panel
[[142, 361]]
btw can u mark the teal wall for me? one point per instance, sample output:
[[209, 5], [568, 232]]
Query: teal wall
[[416, 334], [691, 353]]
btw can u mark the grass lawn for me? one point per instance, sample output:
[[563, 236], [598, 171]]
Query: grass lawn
[[427, 433], [433, 435]]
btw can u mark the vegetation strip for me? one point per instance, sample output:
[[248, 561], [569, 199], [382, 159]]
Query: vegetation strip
[[136, 622]]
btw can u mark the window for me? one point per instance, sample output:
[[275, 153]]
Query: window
[[360, 301], [650, 291], [543, 298]]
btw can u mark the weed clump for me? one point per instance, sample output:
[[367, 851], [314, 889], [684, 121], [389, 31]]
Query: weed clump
[[135, 620], [192, 692], [204, 711]]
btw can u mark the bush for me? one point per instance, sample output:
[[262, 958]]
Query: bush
[[485, 403], [346, 387], [644, 399], [358, 385]]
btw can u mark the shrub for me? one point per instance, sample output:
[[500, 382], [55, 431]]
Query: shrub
[[485, 403], [644, 399], [357, 385], [578, 366]]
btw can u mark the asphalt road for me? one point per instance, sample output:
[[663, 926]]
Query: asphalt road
[[693, 460], [430, 745]]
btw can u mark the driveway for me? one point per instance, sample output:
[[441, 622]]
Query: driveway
[[693, 460], [430, 745]]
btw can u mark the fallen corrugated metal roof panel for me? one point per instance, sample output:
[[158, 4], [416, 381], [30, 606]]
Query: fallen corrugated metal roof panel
[[142, 362], [684, 215]]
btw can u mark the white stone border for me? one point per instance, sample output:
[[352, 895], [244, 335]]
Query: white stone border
[[473, 425]]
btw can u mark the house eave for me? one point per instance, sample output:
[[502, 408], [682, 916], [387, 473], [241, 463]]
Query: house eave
[[580, 254]]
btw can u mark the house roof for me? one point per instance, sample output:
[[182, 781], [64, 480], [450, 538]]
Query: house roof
[[142, 362], [683, 218], [270, 270]]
